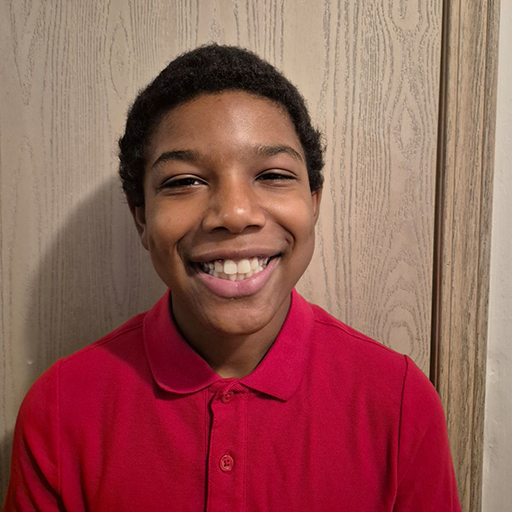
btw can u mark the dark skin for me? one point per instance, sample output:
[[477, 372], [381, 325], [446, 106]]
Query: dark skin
[[226, 179]]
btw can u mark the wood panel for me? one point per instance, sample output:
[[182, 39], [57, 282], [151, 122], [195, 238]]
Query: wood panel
[[72, 268], [376, 101], [463, 230]]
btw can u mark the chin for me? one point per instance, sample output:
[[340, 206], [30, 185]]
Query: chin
[[234, 327], [242, 323]]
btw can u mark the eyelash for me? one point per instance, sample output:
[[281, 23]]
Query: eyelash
[[275, 176], [182, 182], [190, 181]]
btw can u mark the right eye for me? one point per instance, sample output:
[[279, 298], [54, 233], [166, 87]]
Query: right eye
[[182, 182]]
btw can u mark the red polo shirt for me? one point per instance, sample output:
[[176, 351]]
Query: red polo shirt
[[329, 421]]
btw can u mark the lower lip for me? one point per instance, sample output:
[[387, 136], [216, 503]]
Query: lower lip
[[233, 289]]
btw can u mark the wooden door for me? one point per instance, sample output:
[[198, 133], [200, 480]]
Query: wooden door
[[72, 267]]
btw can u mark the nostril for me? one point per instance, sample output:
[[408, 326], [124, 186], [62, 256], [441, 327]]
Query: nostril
[[234, 216]]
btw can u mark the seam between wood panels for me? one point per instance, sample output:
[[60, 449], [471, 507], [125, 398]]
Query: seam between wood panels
[[438, 211], [439, 201]]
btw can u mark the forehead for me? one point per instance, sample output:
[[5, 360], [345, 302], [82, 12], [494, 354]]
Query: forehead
[[224, 121]]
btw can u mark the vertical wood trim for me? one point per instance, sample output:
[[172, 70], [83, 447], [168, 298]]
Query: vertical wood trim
[[467, 119]]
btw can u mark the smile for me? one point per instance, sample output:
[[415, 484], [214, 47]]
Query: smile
[[233, 270], [232, 278]]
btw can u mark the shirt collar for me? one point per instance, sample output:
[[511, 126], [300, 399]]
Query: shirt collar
[[177, 368]]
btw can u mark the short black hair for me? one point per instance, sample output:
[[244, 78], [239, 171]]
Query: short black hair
[[208, 70]]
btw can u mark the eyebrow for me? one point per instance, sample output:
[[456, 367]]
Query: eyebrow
[[182, 155], [277, 150], [189, 155]]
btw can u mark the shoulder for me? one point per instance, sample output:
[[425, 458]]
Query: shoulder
[[102, 361], [372, 372], [117, 341], [354, 350], [96, 365]]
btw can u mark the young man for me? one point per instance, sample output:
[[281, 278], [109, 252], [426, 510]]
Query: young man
[[232, 393]]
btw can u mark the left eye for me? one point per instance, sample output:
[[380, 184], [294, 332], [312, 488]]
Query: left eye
[[275, 176]]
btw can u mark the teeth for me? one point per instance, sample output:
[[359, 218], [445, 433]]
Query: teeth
[[235, 271], [230, 267], [244, 267]]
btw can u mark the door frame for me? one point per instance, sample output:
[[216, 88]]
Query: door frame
[[462, 232]]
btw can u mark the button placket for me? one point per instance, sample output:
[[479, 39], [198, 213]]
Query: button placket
[[227, 449]]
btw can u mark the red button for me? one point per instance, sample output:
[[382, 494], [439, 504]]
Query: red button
[[227, 397], [226, 463]]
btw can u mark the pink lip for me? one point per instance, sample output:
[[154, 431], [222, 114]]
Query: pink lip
[[233, 289]]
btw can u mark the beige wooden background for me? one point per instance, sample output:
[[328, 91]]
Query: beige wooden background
[[71, 265]]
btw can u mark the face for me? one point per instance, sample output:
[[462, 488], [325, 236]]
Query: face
[[229, 216]]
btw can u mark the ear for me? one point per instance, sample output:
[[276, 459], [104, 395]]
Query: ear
[[316, 198], [139, 216]]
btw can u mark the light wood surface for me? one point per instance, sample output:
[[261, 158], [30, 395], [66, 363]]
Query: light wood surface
[[71, 265], [463, 229], [377, 105]]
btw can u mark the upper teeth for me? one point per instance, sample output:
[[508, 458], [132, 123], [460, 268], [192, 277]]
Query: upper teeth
[[235, 270]]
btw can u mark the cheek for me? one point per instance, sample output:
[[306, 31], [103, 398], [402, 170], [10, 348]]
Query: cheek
[[165, 228], [173, 229], [300, 224], [306, 229], [302, 221]]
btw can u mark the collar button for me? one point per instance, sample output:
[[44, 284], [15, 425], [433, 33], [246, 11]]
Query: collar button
[[227, 397]]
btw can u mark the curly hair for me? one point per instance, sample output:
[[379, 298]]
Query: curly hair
[[210, 69]]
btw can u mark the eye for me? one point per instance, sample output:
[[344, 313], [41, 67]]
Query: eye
[[276, 175], [182, 182]]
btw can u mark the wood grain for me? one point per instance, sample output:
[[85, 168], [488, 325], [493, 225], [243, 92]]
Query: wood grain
[[72, 267], [376, 101], [463, 229]]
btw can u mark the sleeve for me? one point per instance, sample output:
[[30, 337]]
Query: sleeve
[[34, 483], [426, 479]]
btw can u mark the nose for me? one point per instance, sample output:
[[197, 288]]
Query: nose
[[234, 205]]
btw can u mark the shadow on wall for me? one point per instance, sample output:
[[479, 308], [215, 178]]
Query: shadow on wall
[[93, 276]]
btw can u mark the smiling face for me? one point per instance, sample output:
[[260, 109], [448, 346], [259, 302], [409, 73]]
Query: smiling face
[[229, 216]]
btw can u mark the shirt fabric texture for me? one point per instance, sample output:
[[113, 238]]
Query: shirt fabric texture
[[330, 420]]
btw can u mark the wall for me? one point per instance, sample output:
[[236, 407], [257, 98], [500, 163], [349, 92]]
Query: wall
[[497, 488], [71, 265]]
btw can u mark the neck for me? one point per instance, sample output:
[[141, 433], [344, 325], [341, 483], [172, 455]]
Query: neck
[[232, 355]]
